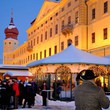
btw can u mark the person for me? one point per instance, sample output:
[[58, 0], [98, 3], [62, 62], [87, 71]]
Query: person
[[28, 95], [89, 96], [34, 91], [44, 93], [4, 95], [21, 90], [59, 89], [54, 90], [15, 88], [105, 87], [8, 97]]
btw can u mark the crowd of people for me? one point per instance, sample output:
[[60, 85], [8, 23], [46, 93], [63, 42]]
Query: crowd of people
[[15, 92]]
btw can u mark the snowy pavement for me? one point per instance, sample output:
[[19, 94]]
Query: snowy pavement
[[59, 104], [53, 105]]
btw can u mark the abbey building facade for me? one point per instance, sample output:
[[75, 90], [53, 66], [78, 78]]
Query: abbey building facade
[[82, 23]]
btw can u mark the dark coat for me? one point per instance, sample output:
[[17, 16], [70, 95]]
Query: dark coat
[[88, 96]]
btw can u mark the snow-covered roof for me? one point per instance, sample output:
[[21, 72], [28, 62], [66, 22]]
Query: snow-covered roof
[[12, 66], [107, 57], [72, 55], [11, 27], [11, 39], [18, 73]]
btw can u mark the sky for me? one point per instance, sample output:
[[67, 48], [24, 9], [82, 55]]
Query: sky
[[24, 12]]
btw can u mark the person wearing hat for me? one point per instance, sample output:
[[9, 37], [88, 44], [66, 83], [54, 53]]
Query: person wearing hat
[[88, 96]]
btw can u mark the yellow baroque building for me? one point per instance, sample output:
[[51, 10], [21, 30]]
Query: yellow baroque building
[[83, 23]]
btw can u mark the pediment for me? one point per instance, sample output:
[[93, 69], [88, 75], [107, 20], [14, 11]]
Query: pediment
[[45, 9]]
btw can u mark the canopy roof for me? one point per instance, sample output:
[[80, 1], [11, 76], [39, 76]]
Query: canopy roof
[[18, 73], [13, 67], [72, 55]]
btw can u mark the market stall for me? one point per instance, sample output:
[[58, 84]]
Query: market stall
[[62, 69], [20, 75]]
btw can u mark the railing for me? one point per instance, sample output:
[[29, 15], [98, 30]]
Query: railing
[[66, 29], [29, 48]]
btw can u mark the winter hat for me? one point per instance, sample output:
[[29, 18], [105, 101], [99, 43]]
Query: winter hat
[[87, 75]]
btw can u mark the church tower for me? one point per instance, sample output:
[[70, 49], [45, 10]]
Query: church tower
[[11, 39]]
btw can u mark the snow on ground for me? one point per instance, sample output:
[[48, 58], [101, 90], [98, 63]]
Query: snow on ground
[[71, 104]]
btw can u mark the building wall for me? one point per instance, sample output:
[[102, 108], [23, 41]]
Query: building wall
[[97, 26]]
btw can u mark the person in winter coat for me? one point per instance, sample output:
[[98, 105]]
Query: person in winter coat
[[28, 95], [15, 88], [9, 90], [89, 96], [34, 91], [4, 95], [21, 89], [44, 93]]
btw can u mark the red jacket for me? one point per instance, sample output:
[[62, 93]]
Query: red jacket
[[16, 89]]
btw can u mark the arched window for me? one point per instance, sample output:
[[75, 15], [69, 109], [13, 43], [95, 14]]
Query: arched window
[[69, 42]]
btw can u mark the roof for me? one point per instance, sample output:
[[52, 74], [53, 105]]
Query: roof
[[18, 73], [17, 67], [72, 55]]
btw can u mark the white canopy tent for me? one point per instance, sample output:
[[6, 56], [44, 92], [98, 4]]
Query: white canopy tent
[[72, 55], [66, 65]]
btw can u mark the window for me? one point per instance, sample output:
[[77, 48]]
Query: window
[[62, 46], [41, 37], [34, 42], [76, 17], [49, 51], [37, 40], [93, 37], [31, 43], [31, 56], [62, 9], [69, 4], [69, 42], [26, 60], [51, 18], [41, 25], [40, 55], [45, 22], [105, 33], [57, 14], [69, 20], [76, 40], [106, 7], [45, 35], [44, 53], [56, 29], [50, 32], [36, 56], [55, 49], [93, 13], [63, 24]]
